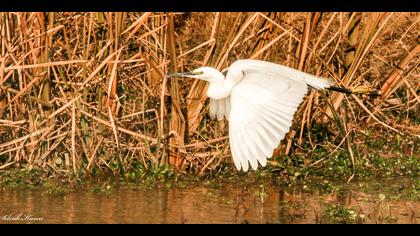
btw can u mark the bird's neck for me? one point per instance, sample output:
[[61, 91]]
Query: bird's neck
[[220, 88]]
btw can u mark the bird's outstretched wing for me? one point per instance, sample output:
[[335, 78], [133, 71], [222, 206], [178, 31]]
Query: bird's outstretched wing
[[293, 74], [262, 108]]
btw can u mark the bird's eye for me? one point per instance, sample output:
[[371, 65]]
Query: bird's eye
[[198, 72]]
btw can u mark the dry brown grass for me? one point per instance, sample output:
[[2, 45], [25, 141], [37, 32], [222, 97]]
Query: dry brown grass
[[80, 91]]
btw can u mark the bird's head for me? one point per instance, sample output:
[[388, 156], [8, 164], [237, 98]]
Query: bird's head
[[208, 74]]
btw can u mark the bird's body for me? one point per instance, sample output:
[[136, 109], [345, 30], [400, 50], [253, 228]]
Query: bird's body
[[259, 99]]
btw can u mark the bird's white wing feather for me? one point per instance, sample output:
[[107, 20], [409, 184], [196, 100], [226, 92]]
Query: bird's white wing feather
[[262, 108], [212, 108], [219, 108], [312, 80]]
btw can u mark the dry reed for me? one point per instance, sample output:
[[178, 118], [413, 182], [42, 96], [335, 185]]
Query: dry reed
[[85, 91]]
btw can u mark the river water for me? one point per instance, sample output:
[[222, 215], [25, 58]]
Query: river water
[[223, 202]]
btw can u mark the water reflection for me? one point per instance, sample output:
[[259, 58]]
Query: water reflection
[[197, 203]]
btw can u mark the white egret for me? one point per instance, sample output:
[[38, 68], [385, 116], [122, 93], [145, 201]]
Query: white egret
[[259, 99]]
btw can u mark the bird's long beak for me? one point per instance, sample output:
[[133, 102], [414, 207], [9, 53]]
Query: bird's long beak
[[190, 74]]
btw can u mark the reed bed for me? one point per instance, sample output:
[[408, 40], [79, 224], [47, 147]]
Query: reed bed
[[84, 93]]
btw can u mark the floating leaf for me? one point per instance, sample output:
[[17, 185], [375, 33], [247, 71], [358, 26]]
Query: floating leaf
[[381, 196]]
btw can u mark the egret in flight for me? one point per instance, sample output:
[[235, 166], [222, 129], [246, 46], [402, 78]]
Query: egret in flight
[[259, 99]]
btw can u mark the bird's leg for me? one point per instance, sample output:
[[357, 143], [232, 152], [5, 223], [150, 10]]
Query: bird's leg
[[340, 89], [357, 90]]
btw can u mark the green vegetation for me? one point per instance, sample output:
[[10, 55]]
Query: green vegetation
[[339, 214]]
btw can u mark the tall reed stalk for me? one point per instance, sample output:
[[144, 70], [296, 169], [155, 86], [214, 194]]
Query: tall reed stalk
[[83, 93]]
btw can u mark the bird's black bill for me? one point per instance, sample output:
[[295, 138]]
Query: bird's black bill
[[340, 89], [184, 74]]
